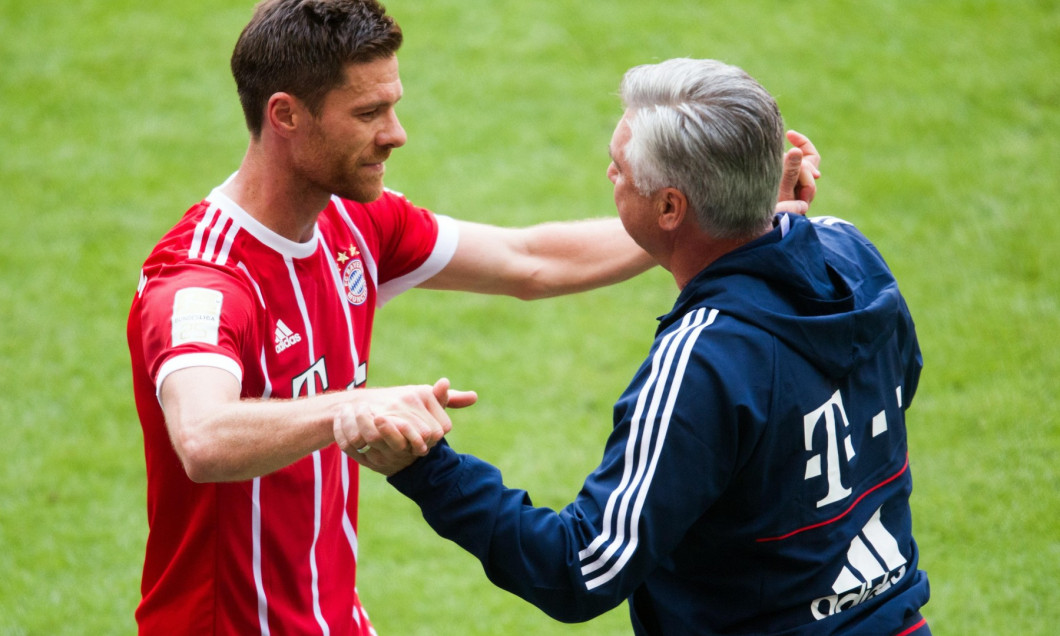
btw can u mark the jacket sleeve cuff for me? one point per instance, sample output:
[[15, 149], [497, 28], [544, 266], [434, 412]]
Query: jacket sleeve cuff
[[429, 477]]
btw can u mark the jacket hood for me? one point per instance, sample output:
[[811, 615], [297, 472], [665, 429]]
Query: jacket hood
[[817, 285]]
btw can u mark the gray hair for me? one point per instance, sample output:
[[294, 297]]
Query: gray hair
[[711, 131]]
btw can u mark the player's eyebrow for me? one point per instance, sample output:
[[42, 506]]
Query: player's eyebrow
[[372, 106], [384, 102]]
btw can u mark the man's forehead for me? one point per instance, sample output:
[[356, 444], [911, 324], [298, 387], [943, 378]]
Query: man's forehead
[[620, 138], [375, 80]]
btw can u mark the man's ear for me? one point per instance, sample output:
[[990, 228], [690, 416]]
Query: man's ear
[[672, 207], [284, 113]]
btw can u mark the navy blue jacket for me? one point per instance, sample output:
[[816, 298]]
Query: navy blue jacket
[[757, 478]]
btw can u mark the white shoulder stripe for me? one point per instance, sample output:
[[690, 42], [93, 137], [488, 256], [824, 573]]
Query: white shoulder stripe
[[207, 220], [643, 450], [829, 220], [209, 251], [222, 228], [226, 244]]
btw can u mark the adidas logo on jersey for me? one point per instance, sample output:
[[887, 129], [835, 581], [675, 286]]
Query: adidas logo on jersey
[[874, 564], [285, 337]]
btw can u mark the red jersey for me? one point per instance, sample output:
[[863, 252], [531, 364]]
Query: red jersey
[[276, 554]]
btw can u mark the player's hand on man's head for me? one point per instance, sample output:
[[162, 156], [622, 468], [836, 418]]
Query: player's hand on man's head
[[798, 183]]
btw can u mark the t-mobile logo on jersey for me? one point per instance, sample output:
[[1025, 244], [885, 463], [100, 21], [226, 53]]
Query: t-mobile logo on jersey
[[874, 564]]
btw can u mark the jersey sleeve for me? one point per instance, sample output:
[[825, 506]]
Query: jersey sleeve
[[195, 314], [658, 476], [415, 245]]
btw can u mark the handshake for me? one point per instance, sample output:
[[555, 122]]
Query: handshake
[[387, 429]]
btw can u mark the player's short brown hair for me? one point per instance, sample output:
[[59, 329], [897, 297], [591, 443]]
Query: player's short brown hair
[[302, 47]]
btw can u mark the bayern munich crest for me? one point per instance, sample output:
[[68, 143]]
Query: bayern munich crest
[[354, 282]]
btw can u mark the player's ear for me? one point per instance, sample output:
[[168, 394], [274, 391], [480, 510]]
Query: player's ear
[[284, 113], [672, 206]]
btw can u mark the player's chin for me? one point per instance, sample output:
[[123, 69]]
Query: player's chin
[[364, 191]]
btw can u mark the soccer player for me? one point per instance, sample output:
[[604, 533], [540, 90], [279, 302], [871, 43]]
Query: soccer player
[[757, 477], [254, 313]]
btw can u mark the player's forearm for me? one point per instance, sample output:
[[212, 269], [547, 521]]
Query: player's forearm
[[250, 438], [220, 437], [544, 260], [583, 255]]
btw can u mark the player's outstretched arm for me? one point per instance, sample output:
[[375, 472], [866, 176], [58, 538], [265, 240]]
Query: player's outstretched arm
[[220, 437], [541, 261], [552, 259]]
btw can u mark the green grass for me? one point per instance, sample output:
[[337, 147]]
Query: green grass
[[937, 122]]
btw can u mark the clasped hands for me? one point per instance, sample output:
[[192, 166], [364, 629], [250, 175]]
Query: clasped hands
[[394, 426]]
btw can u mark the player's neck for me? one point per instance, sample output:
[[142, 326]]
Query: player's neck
[[269, 194]]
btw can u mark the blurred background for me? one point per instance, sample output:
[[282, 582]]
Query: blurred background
[[938, 127]]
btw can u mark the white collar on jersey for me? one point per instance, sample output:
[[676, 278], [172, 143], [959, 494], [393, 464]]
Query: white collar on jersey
[[258, 230]]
